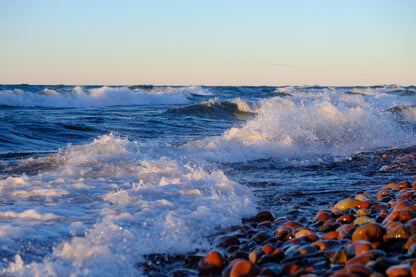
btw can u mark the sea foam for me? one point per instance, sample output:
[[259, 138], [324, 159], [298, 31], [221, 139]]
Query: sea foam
[[313, 124], [116, 204], [98, 97]]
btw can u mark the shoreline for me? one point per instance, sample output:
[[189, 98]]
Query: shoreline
[[369, 233]]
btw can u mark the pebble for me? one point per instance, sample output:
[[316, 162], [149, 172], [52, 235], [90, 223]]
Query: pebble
[[213, 262], [410, 241], [346, 218], [401, 270], [359, 247], [264, 216], [346, 204], [372, 232], [358, 236], [399, 232], [363, 212], [361, 220], [244, 269]]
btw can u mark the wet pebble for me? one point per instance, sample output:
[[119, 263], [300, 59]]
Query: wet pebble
[[346, 204], [357, 236], [244, 269], [213, 262], [372, 232]]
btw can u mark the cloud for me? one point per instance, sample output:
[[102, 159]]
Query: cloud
[[280, 65]]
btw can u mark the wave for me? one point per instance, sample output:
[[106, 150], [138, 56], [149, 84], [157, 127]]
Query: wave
[[360, 92], [406, 113], [98, 96], [234, 109], [310, 126], [118, 203]]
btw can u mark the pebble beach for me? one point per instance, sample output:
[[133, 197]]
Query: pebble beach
[[368, 233]]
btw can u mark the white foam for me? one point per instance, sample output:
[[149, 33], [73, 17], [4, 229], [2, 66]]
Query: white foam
[[244, 106], [311, 124], [98, 97], [29, 214], [285, 90], [119, 204], [409, 114]]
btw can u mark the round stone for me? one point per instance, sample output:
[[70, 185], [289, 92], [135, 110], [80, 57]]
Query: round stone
[[358, 247], [401, 270], [363, 212], [346, 204], [243, 269], [213, 262], [371, 232], [264, 216], [361, 220]]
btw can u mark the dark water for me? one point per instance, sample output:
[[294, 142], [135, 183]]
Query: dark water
[[93, 178]]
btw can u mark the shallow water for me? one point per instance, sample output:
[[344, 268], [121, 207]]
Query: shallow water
[[93, 178]]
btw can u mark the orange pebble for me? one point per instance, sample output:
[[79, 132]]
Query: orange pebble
[[410, 241], [406, 215], [360, 259], [267, 248], [359, 247], [371, 232], [343, 230], [326, 211], [401, 205], [382, 192], [401, 270], [310, 238], [413, 268], [304, 232], [290, 269], [277, 254], [320, 244], [211, 263], [393, 216], [362, 204], [265, 223], [346, 218], [330, 235], [391, 225], [293, 224], [329, 222], [322, 217], [364, 258], [400, 185], [244, 268]]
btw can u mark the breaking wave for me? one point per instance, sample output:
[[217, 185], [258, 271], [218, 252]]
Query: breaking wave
[[98, 97]]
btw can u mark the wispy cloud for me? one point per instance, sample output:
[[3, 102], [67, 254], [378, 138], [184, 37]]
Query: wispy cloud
[[280, 65]]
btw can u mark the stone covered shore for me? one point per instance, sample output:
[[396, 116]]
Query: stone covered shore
[[369, 233]]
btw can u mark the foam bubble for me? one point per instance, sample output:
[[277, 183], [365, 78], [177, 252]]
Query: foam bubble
[[118, 204], [311, 124]]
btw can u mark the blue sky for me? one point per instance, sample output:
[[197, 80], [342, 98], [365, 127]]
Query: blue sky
[[208, 42]]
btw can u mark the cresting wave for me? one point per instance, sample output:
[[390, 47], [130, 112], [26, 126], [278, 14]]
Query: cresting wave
[[319, 124], [98, 96], [114, 204], [214, 108]]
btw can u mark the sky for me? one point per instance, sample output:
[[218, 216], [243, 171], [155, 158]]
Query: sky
[[216, 42]]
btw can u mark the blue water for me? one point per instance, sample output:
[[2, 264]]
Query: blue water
[[92, 178]]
